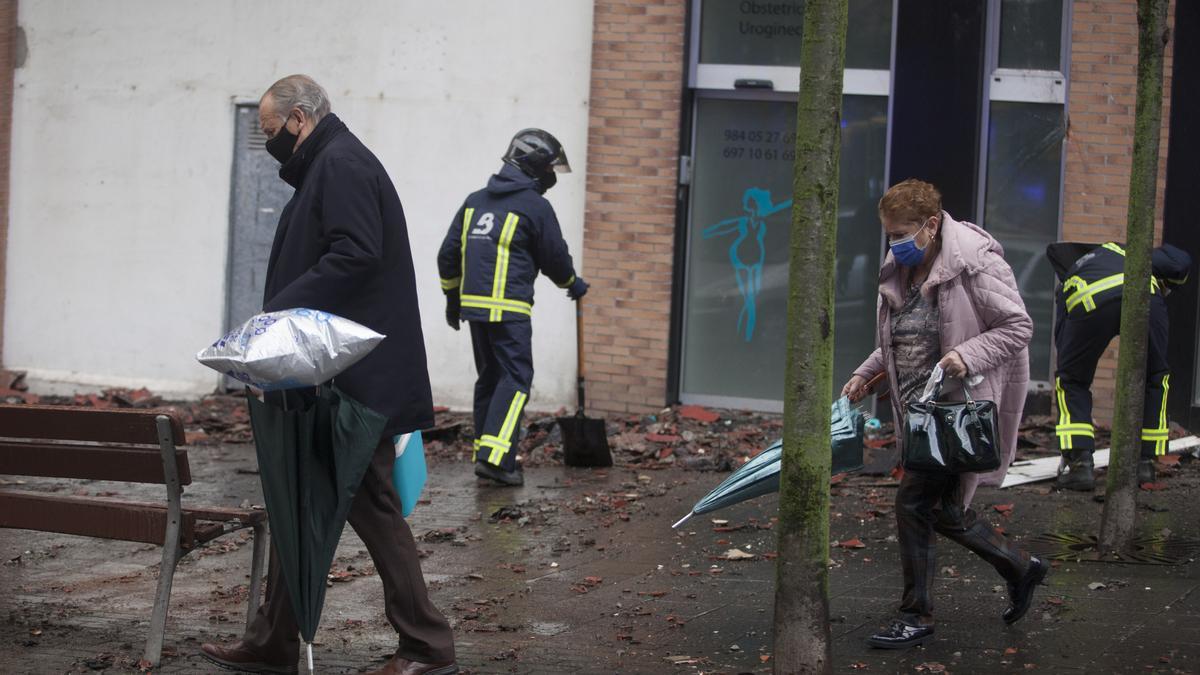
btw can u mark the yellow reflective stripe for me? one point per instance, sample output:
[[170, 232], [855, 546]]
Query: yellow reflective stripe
[[1087, 292], [568, 282], [448, 284], [490, 441], [1084, 292], [467, 214], [1160, 447], [1162, 412], [496, 446], [484, 302], [1063, 416], [1074, 282], [509, 430], [500, 274], [1179, 282], [1162, 433], [514, 412], [503, 442], [1067, 430]]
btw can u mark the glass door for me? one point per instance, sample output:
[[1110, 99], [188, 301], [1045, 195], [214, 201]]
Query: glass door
[[745, 75]]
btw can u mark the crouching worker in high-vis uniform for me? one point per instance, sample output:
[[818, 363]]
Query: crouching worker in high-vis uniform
[[500, 239], [1088, 318]]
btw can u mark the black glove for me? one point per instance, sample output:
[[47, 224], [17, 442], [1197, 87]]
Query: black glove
[[577, 289], [453, 305]]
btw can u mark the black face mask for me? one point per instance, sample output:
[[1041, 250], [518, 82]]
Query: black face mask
[[282, 144]]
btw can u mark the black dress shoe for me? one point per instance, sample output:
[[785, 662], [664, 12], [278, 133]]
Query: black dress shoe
[[900, 635], [492, 472], [1020, 594], [238, 656]]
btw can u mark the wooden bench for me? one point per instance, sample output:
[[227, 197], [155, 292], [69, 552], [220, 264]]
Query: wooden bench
[[116, 445]]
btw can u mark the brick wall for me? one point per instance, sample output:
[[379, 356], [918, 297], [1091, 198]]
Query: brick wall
[[8, 49], [1102, 98], [629, 227]]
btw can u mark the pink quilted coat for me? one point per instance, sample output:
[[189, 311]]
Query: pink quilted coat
[[982, 318]]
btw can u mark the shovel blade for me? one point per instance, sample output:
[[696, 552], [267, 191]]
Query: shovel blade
[[585, 442]]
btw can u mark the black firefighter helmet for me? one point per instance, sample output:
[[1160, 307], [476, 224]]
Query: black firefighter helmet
[[539, 155]]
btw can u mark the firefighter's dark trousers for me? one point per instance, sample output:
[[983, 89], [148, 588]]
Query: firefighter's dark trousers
[[1081, 338], [504, 363]]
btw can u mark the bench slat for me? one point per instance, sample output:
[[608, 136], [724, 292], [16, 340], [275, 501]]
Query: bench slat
[[17, 507], [135, 465], [90, 517], [72, 423]]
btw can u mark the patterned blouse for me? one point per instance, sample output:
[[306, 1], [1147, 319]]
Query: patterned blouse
[[916, 343]]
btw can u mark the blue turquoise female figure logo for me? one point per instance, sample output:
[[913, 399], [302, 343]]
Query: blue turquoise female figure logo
[[747, 253]]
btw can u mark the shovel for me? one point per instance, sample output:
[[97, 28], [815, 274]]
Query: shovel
[[585, 441]]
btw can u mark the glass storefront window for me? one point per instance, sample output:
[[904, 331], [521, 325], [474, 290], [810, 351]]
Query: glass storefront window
[[1024, 171], [1031, 34], [735, 319], [769, 32]]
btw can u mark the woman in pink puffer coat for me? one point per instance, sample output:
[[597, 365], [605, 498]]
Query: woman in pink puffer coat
[[948, 298]]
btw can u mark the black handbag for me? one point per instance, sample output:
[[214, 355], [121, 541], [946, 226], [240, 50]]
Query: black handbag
[[951, 436]]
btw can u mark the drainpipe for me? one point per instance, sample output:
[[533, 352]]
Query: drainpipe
[[12, 52]]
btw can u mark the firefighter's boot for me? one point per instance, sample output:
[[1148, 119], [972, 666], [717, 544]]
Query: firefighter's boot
[[1078, 472], [1146, 471]]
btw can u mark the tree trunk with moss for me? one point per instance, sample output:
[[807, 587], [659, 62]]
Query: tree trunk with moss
[[1116, 526], [802, 636]]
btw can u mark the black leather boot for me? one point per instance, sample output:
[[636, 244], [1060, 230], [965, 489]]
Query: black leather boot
[[1078, 474], [1020, 594]]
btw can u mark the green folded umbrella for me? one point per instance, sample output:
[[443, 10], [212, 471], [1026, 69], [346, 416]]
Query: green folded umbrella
[[312, 453]]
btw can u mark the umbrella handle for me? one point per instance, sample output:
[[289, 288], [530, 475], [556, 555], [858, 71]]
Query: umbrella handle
[[310, 663]]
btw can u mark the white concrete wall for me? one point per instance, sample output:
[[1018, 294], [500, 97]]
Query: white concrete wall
[[123, 148]]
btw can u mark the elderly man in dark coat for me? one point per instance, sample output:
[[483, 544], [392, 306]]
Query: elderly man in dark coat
[[342, 247]]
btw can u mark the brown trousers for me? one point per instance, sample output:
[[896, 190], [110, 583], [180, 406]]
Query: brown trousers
[[424, 634], [928, 503]]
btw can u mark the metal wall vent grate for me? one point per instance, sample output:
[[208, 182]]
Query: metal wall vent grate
[[1147, 550], [255, 139]]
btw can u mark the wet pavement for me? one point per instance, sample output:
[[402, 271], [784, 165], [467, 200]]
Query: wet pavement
[[579, 571]]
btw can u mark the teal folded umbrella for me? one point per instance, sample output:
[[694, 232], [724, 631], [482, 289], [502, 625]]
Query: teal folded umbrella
[[760, 475], [408, 471]]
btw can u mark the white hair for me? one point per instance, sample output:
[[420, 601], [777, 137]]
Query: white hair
[[302, 92]]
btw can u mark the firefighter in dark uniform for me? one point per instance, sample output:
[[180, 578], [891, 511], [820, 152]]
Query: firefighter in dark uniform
[[1088, 307], [500, 239]]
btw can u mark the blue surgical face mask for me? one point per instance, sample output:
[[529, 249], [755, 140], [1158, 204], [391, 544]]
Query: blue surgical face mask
[[906, 252]]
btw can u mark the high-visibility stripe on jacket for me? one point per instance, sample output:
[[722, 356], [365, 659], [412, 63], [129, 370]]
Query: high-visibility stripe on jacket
[[1099, 276], [499, 241]]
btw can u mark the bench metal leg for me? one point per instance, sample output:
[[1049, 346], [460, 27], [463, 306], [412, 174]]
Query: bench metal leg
[[172, 549], [256, 571], [166, 576]]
